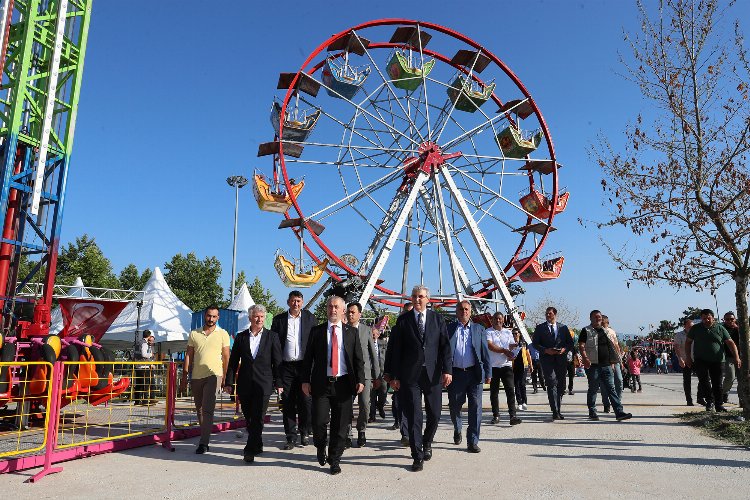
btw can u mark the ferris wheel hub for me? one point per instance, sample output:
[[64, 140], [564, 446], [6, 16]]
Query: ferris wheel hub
[[430, 159]]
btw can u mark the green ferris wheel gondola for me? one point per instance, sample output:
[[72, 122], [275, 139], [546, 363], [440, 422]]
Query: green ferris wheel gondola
[[465, 97], [405, 76]]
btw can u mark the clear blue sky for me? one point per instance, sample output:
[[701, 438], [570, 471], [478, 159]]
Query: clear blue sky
[[176, 96]]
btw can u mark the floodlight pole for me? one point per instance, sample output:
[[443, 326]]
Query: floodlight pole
[[237, 182]]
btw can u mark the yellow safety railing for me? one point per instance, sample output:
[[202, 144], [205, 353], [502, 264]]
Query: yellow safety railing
[[25, 389], [108, 400]]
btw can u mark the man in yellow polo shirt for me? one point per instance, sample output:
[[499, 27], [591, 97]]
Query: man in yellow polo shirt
[[208, 356]]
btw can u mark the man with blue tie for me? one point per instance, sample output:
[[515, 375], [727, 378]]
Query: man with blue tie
[[471, 368], [553, 341], [418, 362]]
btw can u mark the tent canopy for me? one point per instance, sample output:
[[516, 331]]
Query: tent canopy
[[162, 312], [242, 302]]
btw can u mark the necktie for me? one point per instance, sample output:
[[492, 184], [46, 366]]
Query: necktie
[[552, 331], [420, 325], [334, 352]]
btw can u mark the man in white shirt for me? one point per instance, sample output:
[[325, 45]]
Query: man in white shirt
[[501, 344], [143, 376], [293, 328]]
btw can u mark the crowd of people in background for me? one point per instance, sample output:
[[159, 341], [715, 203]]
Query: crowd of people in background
[[320, 370]]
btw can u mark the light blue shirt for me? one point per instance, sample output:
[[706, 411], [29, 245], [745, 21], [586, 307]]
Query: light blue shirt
[[463, 357], [255, 342]]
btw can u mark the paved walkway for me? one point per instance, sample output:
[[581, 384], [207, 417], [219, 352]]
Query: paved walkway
[[652, 454]]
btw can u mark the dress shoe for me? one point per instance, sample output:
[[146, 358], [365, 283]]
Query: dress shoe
[[702, 401], [624, 416], [381, 410], [249, 458], [495, 420], [457, 438], [515, 421], [335, 468], [427, 450], [720, 409], [593, 416], [556, 416], [304, 440], [417, 465], [394, 426], [201, 449], [607, 409], [361, 439], [709, 407], [322, 455], [560, 416], [405, 441], [535, 391], [348, 443], [690, 402], [289, 445], [570, 393], [473, 448], [371, 420]]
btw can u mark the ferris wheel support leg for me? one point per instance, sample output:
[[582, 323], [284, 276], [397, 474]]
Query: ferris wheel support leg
[[387, 220], [407, 251], [460, 280], [320, 291], [497, 274], [385, 250]]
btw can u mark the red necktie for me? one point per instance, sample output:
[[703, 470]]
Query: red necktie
[[334, 352]]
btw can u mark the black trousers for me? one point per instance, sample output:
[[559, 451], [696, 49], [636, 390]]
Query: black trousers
[[554, 368], [332, 405], [410, 400], [571, 375], [254, 405], [687, 373], [519, 377], [378, 398], [709, 380], [536, 375], [142, 388], [503, 374], [294, 403]]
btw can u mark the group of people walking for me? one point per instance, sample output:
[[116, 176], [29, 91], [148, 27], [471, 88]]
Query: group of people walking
[[320, 369]]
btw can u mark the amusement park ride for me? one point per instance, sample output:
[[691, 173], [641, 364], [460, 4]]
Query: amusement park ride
[[41, 63], [409, 158]]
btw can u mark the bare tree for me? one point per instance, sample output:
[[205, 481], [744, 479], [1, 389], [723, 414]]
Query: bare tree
[[681, 182], [566, 314]]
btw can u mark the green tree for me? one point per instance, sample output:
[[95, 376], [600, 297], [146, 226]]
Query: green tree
[[84, 258], [665, 330], [680, 182], [194, 281], [691, 313], [320, 311], [263, 296], [131, 279], [240, 280]]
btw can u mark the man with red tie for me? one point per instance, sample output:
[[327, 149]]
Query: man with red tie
[[333, 372]]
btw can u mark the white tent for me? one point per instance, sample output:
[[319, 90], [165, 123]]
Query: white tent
[[162, 312], [78, 290], [242, 302]]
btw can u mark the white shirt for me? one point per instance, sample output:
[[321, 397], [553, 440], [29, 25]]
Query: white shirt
[[416, 317], [502, 338], [554, 328], [340, 340], [293, 345], [147, 351], [255, 342]]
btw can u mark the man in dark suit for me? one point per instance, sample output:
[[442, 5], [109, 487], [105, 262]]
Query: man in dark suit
[[553, 341], [258, 354], [379, 394], [293, 328], [420, 362], [333, 373], [471, 368], [372, 373]]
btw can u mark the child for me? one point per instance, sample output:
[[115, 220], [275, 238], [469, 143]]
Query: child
[[634, 367]]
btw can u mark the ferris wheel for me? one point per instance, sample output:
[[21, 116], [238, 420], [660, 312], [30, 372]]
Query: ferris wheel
[[406, 152]]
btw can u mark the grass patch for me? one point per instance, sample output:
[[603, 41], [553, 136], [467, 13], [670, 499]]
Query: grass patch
[[725, 426]]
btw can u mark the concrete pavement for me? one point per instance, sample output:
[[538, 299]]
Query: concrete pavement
[[652, 454]]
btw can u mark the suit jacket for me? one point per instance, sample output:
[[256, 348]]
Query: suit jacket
[[482, 366], [315, 366], [281, 321], [543, 339], [407, 354], [368, 352], [254, 374], [382, 350]]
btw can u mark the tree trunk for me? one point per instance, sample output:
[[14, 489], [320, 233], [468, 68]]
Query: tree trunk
[[743, 374]]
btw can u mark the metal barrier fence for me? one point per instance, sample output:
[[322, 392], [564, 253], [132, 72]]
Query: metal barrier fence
[[24, 402], [112, 400]]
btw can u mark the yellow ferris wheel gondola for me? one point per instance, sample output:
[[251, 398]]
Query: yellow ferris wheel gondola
[[294, 272]]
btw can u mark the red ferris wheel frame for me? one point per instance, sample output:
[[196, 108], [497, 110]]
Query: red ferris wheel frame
[[509, 73]]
